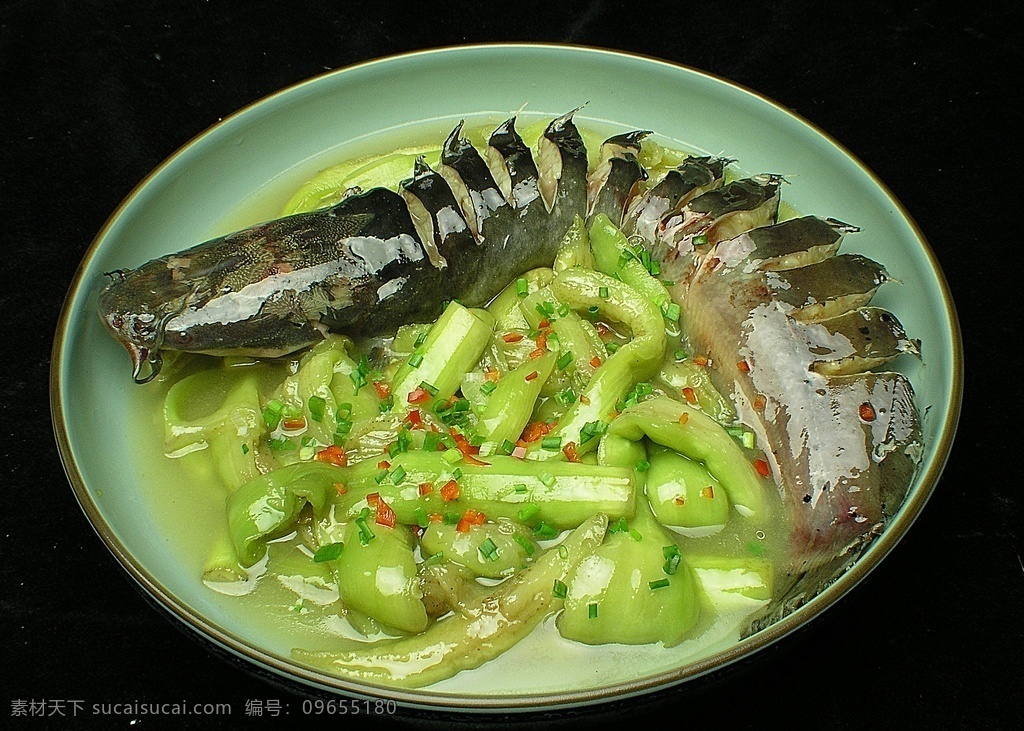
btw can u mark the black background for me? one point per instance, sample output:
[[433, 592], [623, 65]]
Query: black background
[[93, 95]]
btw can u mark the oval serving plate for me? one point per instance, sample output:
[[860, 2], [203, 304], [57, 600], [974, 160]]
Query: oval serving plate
[[243, 169]]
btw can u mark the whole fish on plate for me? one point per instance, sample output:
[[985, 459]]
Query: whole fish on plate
[[782, 320]]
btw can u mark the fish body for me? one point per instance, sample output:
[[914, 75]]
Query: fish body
[[783, 319], [791, 349]]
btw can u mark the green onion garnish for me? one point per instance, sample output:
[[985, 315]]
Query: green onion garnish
[[564, 360], [522, 287], [611, 347], [700, 240], [643, 465], [544, 532], [422, 519], [328, 552], [358, 380], [397, 475], [489, 550], [507, 447], [635, 535], [380, 476], [659, 584], [592, 610], [602, 292], [420, 339], [365, 534], [563, 552], [593, 311], [527, 512], [552, 444], [488, 388], [525, 543], [547, 478], [559, 590], [680, 355], [387, 404], [755, 548], [563, 310], [520, 488], [282, 445], [451, 518], [619, 526], [245, 448], [451, 456], [316, 406], [272, 414], [671, 564], [415, 360], [430, 441], [457, 473], [672, 311], [429, 388]]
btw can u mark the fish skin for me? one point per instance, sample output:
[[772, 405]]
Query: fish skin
[[840, 475], [361, 266]]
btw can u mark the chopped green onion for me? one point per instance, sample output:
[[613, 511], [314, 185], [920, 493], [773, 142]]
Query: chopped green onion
[[619, 526], [488, 388], [552, 444], [643, 465], [358, 380], [659, 584], [272, 414], [416, 360], [700, 240], [282, 445], [489, 550], [544, 532], [429, 388], [592, 610], [507, 446], [380, 476], [525, 543], [528, 511], [547, 478], [564, 360], [457, 474], [520, 488], [365, 534], [611, 347], [563, 310], [451, 518], [387, 404], [316, 406], [635, 535], [563, 552], [245, 448], [522, 287], [422, 519], [431, 441], [451, 456], [397, 475], [328, 552], [602, 292], [566, 398], [671, 564], [593, 311], [559, 590], [672, 311], [307, 452], [420, 339], [670, 550]]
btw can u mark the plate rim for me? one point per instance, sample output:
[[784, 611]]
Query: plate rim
[[909, 511]]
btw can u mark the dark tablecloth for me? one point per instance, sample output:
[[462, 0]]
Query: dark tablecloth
[[93, 95]]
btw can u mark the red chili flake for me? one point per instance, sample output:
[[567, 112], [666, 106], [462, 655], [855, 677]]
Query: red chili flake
[[334, 455], [418, 396], [299, 422], [372, 499], [435, 517], [680, 501], [762, 467], [512, 337], [469, 519], [700, 360], [533, 375], [760, 402], [385, 515], [339, 487], [414, 419], [689, 395], [542, 341], [492, 374], [596, 361], [584, 399], [602, 329], [684, 417], [544, 322], [383, 389], [426, 488], [467, 449], [569, 450], [450, 491], [534, 431], [743, 366], [867, 411], [708, 492], [383, 465], [534, 355], [416, 530]]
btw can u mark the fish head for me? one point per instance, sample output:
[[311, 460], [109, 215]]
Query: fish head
[[135, 306]]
